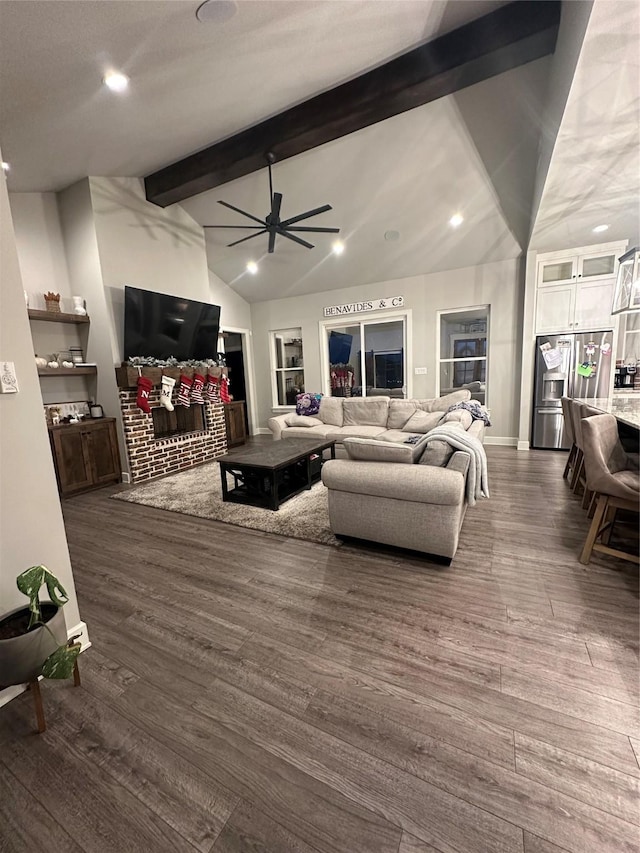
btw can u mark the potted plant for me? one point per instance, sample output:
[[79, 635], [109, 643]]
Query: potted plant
[[33, 639]]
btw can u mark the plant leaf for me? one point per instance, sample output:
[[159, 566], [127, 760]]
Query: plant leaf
[[29, 583], [60, 663]]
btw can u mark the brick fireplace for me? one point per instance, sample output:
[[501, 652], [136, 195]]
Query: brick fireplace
[[151, 456]]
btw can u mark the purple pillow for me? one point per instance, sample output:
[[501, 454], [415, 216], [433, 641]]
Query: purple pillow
[[308, 404]]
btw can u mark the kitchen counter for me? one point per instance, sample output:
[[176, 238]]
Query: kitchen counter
[[624, 406]]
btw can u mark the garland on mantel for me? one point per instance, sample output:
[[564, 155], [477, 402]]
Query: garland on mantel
[[149, 361]]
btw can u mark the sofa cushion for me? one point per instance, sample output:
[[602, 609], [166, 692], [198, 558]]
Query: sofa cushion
[[399, 412], [461, 416], [307, 403], [304, 420], [441, 404], [422, 422], [330, 411], [408, 483], [319, 432], [437, 453], [374, 450], [340, 433], [396, 435], [366, 411]]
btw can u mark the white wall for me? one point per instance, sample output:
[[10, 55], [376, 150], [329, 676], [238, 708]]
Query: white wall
[[235, 311], [41, 254], [31, 525], [497, 284]]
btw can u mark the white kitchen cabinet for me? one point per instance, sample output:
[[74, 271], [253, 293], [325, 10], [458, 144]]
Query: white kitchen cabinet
[[593, 304], [555, 308], [575, 289]]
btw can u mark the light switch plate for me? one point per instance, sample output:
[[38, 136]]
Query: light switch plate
[[8, 378], [420, 371]]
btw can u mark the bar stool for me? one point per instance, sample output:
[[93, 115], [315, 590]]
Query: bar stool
[[568, 428], [580, 412], [614, 480]]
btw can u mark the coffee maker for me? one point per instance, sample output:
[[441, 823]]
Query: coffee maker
[[624, 376]]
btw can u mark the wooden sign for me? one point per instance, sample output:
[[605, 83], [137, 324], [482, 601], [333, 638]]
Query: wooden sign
[[364, 306]]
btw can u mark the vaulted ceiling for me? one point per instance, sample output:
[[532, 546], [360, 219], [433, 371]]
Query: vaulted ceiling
[[192, 84]]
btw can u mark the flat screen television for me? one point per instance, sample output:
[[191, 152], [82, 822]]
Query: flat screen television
[[161, 326]]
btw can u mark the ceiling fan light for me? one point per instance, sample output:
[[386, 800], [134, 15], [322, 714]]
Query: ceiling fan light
[[456, 220], [252, 267], [338, 247]]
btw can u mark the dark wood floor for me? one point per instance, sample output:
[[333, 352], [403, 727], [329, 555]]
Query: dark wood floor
[[246, 692]]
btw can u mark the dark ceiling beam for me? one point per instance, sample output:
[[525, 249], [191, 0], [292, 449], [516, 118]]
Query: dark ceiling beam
[[513, 35]]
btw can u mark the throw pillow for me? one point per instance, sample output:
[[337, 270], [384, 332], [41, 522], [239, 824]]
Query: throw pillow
[[422, 422], [372, 450], [302, 420], [308, 404], [331, 411], [437, 452], [399, 413], [461, 416]]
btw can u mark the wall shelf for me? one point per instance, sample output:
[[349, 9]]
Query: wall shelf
[[55, 317], [67, 371]]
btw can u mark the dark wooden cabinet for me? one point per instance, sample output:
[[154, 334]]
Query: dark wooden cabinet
[[85, 455], [235, 422]]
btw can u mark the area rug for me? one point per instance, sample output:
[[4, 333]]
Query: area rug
[[198, 492]]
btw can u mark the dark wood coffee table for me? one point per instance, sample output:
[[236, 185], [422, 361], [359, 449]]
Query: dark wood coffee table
[[265, 475]]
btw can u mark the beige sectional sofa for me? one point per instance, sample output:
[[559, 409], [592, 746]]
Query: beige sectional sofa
[[415, 499], [381, 418]]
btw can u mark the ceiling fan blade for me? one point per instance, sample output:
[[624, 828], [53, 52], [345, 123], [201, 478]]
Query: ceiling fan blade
[[242, 227], [295, 239], [318, 230], [275, 207], [250, 237], [306, 215], [243, 212], [272, 241]]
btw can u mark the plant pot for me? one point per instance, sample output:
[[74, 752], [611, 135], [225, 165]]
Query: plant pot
[[21, 657]]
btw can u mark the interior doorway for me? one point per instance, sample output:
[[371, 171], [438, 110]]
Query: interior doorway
[[237, 359]]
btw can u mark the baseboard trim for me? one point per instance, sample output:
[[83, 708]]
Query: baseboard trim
[[126, 477], [523, 445], [79, 630], [262, 431], [501, 440]]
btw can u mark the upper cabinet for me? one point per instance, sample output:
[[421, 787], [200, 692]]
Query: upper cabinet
[[575, 289]]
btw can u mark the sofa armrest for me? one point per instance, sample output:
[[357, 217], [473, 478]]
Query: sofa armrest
[[459, 462], [276, 425], [477, 429], [419, 483]]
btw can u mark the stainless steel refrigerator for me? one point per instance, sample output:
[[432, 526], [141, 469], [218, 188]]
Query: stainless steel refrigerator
[[578, 365]]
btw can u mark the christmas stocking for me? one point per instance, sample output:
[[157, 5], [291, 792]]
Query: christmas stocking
[[196, 388], [224, 389], [211, 390], [184, 391], [166, 392], [142, 400]]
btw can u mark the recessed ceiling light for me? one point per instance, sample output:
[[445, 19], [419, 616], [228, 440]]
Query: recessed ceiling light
[[600, 228], [338, 247], [456, 219], [252, 267], [216, 11], [5, 166], [391, 235], [116, 81]]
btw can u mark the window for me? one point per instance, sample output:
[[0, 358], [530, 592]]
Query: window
[[462, 355], [287, 366], [366, 358]]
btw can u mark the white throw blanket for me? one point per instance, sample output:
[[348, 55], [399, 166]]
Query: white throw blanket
[[459, 439]]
